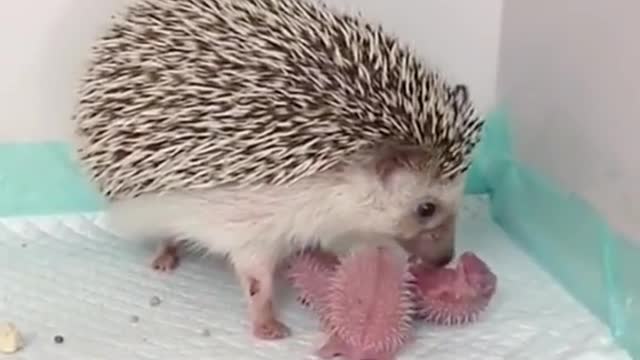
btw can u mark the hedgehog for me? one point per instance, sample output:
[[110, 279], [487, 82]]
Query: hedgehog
[[253, 128], [453, 296], [364, 301], [367, 301]]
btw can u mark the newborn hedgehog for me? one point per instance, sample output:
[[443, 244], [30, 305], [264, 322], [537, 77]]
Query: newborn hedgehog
[[253, 128], [365, 301], [454, 296]]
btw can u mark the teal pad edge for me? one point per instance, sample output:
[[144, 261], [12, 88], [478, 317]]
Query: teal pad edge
[[41, 178], [557, 228], [563, 233]]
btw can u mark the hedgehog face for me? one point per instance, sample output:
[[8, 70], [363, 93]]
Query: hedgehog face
[[426, 227], [423, 207]]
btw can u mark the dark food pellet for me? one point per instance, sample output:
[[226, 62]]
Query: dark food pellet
[[58, 339], [155, 301]]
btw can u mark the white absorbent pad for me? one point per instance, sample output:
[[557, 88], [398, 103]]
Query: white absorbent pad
[[70, 276]]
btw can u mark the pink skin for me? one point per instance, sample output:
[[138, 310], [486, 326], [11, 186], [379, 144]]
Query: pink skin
[[166, 258], [335, 347], [257, 283], [454, 296], [326, 287], [443, 296], [310, 273]]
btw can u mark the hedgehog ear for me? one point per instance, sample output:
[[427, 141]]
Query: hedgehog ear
[[389, 159]]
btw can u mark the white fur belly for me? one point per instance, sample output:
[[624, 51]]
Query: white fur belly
[[268, 222], [222, 221]]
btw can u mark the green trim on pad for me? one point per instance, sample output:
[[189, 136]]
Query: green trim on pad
[[562, 233], [566, 237], [40, 178]]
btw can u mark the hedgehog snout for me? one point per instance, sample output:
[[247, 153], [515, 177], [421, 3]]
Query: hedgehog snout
[[434, 247]]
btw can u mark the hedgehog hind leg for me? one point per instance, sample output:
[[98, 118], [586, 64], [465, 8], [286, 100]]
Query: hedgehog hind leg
[[257, 280]]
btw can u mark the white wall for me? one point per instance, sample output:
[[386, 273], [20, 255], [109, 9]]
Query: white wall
[[461, 37], [570, 71], [44, 43]]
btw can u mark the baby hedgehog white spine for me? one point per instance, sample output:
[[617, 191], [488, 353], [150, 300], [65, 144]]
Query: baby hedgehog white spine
[[250, 126]]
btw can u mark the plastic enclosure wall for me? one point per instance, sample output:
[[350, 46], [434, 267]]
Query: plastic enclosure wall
[[568, 70], [556, 228], [562, 233]]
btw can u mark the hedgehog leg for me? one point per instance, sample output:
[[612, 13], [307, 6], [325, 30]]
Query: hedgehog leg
[[166, 257], [257, 283]]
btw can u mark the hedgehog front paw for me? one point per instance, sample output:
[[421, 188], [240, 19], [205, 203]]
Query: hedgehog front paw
[[270, 329]]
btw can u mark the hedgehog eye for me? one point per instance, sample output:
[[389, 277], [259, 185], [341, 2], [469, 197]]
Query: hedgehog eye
[[426, 210]]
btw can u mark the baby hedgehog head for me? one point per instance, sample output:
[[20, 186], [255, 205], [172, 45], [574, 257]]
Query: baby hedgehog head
[[454, 296]]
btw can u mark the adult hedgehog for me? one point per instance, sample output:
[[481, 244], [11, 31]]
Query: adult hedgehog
[[257, 127]]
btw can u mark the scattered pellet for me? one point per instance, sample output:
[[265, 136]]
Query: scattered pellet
[[10, 339], [154, 301], [58, 339], [134, 318], [205, 332]]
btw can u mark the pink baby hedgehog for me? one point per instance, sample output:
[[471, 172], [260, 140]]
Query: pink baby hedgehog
[[366, 317], [454, 296], [367, 300]]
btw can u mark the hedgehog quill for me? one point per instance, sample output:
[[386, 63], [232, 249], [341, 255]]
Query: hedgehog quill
[[366, 301], [253, 128]]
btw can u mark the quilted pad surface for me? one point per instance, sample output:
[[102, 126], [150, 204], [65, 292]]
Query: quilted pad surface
[[70, 276]]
